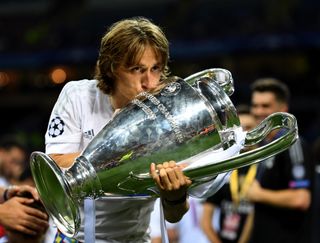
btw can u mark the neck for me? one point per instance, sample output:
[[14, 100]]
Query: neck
[[117, 103]]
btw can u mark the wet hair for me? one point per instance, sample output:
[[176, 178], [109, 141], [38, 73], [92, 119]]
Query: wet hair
[[124, 44], [275, 86]]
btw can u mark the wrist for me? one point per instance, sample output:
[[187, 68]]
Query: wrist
[[178, 201], [4, 195]]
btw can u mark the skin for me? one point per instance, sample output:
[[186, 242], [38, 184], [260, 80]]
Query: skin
[[130, 81], [206, 223], [247, 121], [16, 215], [264, 104], [12, 161]]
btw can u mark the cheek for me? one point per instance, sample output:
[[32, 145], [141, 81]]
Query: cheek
[[155, 81]]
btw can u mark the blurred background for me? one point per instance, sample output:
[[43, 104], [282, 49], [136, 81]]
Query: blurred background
[[46, 43]]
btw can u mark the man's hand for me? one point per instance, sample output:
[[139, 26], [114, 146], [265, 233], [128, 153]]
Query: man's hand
[[254, 191], [170, 180], [173, 185], [15, 214], [21, 190]]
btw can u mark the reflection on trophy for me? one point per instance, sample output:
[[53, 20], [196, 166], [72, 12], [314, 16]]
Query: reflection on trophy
[[189, 120]]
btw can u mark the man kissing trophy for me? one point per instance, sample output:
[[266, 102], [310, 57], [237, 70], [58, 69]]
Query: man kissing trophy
[[191, 121]]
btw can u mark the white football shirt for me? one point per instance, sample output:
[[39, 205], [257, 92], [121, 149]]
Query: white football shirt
[[80, 112]]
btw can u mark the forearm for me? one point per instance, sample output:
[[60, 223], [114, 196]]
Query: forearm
[[64, 160], [211, 234], [247, 228], [206, 223], [289, 198]]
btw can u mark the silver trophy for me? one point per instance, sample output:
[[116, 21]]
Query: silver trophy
[[189, 120]]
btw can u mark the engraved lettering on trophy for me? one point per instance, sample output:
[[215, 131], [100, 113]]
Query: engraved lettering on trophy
[[145, 108], [166, 114]]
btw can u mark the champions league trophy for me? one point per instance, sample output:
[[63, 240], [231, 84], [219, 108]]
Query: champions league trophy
[[189, 120]]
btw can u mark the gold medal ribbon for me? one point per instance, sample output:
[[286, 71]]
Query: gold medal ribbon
[[236, 193]]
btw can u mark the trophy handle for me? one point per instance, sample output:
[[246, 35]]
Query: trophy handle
[[278, 120], [221, 76]]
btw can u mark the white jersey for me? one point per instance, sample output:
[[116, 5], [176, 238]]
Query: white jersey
[[80, 112]]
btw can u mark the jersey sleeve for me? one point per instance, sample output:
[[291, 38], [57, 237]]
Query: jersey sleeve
[[300, 171], [63, 133]]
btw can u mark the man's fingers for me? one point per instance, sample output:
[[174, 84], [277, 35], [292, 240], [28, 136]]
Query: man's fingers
[[30, 210], [172, 164], [164, 179], [32, 225], [24, 200], [37, 224], [19, 190], [154, 173], [25, 230], [36, 213]]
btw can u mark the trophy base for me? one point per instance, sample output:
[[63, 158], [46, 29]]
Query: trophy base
[[55, 193]]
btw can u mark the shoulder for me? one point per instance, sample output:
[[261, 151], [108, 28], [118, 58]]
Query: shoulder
[[80, 86], [80, 91]]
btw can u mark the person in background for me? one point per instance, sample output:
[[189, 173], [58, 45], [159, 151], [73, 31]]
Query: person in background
[[281, 192], [16, 177], [315, 211], [229, 203], [13, 156]]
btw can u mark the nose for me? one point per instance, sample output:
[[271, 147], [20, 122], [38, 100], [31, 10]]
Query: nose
[[148, 82]]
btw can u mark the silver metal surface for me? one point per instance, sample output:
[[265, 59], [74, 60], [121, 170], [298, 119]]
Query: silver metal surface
[[185, 119]]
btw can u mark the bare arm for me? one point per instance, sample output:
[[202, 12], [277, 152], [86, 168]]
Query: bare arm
[[64, 160], [206, 223], [247, 229], [288, 198], [173, 185], [16, 214]]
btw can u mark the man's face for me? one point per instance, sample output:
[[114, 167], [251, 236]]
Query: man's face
[[12, 162], [144, 76], [264, 104]]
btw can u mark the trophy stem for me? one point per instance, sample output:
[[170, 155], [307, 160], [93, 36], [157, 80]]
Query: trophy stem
[[83, 180]]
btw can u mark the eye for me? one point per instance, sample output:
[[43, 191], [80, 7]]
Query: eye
[[135, 69], [157, 68]]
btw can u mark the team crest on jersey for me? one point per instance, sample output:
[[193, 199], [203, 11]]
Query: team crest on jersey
[[56, 127]]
